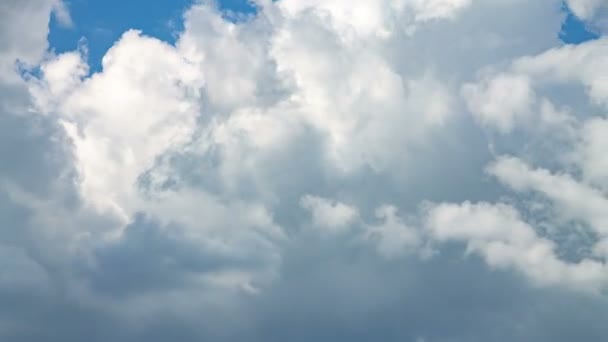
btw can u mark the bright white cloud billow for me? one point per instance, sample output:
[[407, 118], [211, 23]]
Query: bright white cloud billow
[[381, 170]]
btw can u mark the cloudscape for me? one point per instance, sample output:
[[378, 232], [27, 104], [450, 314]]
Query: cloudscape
[[304, 170]]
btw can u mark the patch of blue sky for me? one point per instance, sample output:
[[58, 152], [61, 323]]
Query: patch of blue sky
[[238, 6], [101, 23], [574, 31]]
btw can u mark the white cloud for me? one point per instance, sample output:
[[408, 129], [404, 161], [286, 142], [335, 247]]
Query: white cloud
[[584, 63], [62, 13], [241, 96], [537, 103], [504, 240], [574, 199], [331, 215], [524, 95], [501, 101], [392, 236], [122, 119]]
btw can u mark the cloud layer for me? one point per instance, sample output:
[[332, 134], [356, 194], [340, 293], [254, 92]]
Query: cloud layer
[[383, 170]]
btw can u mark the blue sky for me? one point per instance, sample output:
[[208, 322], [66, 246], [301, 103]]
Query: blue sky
[[574, 31], [102, 22]]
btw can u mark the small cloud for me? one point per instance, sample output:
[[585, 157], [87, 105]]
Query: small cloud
[[62, 14], [331, 214]]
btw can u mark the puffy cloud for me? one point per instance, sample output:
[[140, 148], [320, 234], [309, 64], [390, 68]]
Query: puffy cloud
[[499, 234], [393, 236], [334, 216], [548, 112], [576, 200], [122, 119], [582, 63], [500, 102]]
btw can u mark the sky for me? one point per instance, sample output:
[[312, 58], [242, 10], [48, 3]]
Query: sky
[[303, 170], [101, 23]]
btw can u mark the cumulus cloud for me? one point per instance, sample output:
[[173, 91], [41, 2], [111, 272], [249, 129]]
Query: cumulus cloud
[[501, 102], [499, 234], [393, 236], [332, 215], [334, 158]]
